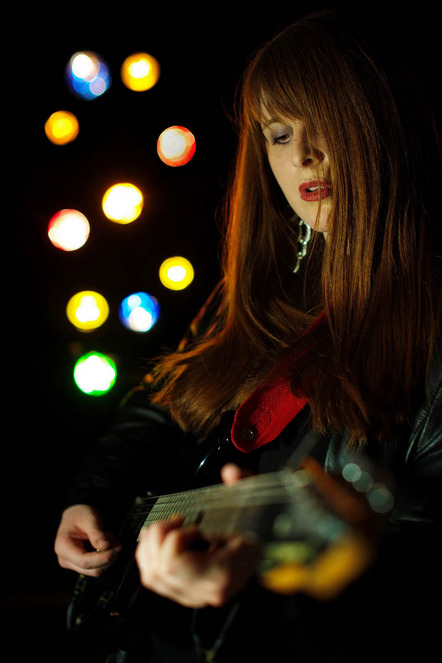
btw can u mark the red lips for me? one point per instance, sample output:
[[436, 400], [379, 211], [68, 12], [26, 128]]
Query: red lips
[[315, 190]]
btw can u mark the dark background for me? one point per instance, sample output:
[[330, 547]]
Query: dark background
[[48, 423]]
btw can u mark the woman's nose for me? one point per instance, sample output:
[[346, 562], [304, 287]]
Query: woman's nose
[[303, 152]]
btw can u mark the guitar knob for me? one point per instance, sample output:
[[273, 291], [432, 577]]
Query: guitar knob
[[282, 526]]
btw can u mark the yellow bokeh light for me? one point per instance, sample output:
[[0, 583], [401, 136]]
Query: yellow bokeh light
[[176, 273], [122, 203], [140, 72], [87, 310], [61, 127]]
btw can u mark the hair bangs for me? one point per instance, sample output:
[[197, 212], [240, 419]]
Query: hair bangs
[[278, 86], [270, 92]]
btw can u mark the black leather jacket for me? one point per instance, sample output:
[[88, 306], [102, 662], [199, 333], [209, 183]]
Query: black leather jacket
[[385, 614]]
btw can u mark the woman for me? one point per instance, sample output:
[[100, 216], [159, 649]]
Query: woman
[[330, 140]]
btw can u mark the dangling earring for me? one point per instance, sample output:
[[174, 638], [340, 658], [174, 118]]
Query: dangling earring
[[304, 235]]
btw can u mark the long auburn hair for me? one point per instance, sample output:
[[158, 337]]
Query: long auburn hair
[[378, 277]]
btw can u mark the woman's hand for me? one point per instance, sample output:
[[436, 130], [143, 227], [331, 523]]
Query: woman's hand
[[172, 566], [81, 543]]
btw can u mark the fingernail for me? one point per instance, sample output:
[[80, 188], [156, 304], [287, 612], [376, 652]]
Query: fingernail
[[102, 545]]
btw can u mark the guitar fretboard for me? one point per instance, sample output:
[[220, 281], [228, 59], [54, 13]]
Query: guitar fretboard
[[228, 509]]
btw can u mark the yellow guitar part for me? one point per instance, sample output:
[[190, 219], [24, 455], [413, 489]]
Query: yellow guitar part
[[326, 576]]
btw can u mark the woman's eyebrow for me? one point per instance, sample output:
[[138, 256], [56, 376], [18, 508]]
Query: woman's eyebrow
[[267, 123]]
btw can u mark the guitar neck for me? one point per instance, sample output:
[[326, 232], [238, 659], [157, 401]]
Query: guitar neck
[[241, 508]]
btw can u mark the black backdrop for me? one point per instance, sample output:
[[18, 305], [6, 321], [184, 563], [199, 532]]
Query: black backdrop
[[48, 423]]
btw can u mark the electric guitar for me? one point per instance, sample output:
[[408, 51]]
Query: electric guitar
[[317, 535]]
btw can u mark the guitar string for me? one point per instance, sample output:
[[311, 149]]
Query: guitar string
[[218, 499], [209, 498], [252, 492], [194, 510], [245, 499], [259, 484]]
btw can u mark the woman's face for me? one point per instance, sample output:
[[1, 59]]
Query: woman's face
[[296, 166]]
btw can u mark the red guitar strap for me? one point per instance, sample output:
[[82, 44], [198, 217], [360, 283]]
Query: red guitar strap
[[270, 408]]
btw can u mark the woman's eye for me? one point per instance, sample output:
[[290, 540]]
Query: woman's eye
[[277, 135], [281, 139]]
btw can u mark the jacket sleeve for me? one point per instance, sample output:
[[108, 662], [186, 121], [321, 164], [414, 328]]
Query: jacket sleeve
[[423, 457], [142, 451]]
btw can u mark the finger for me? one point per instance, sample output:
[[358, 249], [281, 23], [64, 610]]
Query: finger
[[233, 546], [164, 541], [214, 577], [231, 473], [151, 539], [101, 541], [90, 528], [77, 544], [91, 564], [73, 554], [154, 534], [161, 555], [179, 540]]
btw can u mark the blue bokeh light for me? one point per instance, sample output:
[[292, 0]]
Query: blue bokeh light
[[87, 75], [139, 311]]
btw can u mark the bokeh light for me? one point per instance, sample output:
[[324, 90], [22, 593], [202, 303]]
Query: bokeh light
[[140, 72], [176, 273], [87, 310], [139, 311], [68, 230], [95, 373], [122, 203], [87, 75], [62, 127], [176, 146]]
